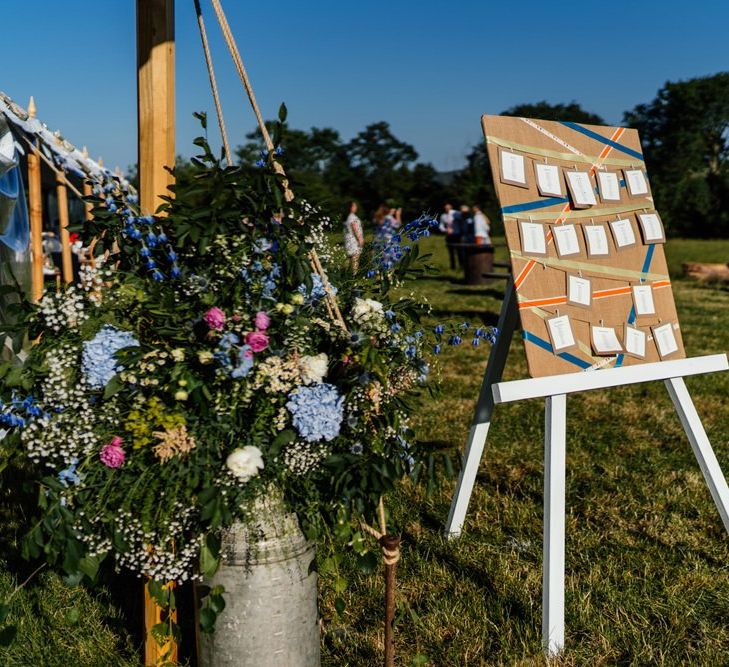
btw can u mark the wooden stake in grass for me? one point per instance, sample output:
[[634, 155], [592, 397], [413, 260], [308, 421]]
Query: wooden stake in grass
[[390, 546]]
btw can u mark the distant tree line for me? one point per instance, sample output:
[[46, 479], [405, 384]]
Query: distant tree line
[[684, 131]]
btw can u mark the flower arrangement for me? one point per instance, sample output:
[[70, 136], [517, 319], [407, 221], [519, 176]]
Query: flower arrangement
[[199, 363]]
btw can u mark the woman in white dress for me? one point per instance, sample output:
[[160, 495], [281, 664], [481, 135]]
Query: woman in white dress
[[481, 227], [353, 238]]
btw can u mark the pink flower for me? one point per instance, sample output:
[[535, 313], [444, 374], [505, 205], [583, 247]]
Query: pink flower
[[257, 340], [262, 320], [215, 318], [112, 455]]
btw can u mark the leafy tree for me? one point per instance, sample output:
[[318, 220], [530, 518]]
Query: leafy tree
[[685, 136], [572, 112]]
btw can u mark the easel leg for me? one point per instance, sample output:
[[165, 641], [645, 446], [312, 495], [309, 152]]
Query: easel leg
[[482, 419], [700, 444], [555, 456]]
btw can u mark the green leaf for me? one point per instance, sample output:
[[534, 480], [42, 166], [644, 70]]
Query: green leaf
[[282, 112], [207, 620], [209, 556], [367, 563], [217, 603], [89, 565], [113, 386], [73, 616], [4, 611], [160, 632], [340, 606]]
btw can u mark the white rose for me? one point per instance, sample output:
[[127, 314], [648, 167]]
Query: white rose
[[245, 463], [313, 369], [178, 354], [366, 309]]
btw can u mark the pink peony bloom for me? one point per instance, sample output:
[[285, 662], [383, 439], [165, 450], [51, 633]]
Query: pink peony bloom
[[257, 340], [112, 455], [215, 318], [262, 321]]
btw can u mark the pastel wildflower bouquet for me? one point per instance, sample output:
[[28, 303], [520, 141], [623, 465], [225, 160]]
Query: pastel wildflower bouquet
[[201, 362]]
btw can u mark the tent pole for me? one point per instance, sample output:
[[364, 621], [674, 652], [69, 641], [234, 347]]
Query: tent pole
[[35, 204], [156, 144]]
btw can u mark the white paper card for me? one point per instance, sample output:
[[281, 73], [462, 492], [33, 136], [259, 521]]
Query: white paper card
[[512, 167], [609, 186], [652, 227], [665, 339], [635, 181], [548, 180], [581, 188], [597, 242], [623, 233], [643, 300], [605, 340], [634, 341], [579, 290], [561, 332], [565, 238], [533, 240]]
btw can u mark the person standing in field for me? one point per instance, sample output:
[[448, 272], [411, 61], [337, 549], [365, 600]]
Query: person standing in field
[[353, 237], [481, 227], [446, 220], [454, 235]]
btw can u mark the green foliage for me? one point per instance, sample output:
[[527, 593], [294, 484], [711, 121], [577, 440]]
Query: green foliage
[[685, 135]]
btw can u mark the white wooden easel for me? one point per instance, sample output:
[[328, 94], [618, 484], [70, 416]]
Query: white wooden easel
[[555, 389]]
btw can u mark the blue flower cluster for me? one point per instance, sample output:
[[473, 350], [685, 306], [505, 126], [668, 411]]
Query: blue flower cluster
[[489, 334], [317, 411], [256, 274], [228, 351], [69, 476], [141, 229], [317, 292], [19, 412], [390, 252], [98, 361]]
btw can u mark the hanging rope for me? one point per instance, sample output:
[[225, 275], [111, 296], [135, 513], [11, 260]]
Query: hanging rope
[[331, 301], [213, 84]]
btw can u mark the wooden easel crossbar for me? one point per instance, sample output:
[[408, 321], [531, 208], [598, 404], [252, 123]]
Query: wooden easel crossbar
[[554, 390]]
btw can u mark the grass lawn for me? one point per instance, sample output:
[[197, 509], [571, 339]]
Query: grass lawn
[[647, 576], [647, 556]]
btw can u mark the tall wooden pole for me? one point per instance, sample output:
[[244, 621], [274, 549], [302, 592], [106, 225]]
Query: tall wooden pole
[[35, 198], [62, 196], [156, 98], [156, 134]]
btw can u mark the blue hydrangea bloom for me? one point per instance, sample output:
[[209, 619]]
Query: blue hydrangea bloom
[[317, 289], [245, 362], [69, 475], [98, 361], [317, 411]]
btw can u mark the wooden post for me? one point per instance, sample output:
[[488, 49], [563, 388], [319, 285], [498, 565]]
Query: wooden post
[[156, 99], [390, 544], [62, 196], [35, 202], [156, 142]]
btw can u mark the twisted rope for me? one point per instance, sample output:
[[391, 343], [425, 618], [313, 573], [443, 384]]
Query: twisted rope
[[389, 545], [331, 301], [213, 84]]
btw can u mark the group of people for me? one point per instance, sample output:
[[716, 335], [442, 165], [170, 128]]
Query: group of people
[[465, 225]]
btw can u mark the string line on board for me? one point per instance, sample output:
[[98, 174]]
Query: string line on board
[[631, 314], [545, 345], [575, 265], [604, 140], [525, 303], [578, 214], [558, 155], [603, 155]]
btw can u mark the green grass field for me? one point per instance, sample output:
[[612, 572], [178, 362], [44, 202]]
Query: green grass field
[[647, 556]]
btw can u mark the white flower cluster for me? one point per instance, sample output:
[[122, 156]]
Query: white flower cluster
[[66, 433], [63, 310], [170, 557], [302, 458], [317, 227], [91, 280], [369, 314]]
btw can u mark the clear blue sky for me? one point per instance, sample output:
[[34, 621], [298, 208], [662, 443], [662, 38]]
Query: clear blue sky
[[429, 67]]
